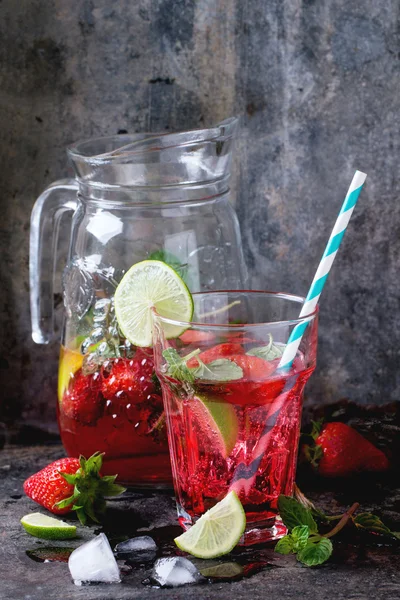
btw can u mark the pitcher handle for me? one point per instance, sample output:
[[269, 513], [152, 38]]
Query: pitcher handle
[[58, 198]]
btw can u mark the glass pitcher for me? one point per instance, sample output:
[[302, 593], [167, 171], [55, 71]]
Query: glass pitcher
[[134, 197]]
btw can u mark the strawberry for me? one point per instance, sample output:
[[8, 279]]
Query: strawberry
[[220, 351], [191, 336], [73, 484], [82, 401], [128, 380], [342, 451], [254, 368]]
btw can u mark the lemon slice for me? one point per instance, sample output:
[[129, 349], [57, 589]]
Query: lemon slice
[[147, 285], [217, 532], [48, 528]]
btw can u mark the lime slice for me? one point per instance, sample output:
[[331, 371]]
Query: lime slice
[[217, 532], [48, 528], [218, 421], [148, 284], [70, 362]]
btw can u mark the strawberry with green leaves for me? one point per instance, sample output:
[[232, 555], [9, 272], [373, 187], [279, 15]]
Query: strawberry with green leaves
[[340, 451], [73, 484]]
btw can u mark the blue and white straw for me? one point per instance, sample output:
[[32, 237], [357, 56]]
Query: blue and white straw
[[323, 269]]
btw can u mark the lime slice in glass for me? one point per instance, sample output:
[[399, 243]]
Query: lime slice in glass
[[151, 284], [217, 532], [48, 528], [217, 420]]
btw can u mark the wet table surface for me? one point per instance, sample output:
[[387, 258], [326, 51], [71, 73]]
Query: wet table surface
[[359, 568]]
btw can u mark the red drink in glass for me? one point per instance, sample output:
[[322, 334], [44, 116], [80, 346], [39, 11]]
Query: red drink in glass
[[240, 434]]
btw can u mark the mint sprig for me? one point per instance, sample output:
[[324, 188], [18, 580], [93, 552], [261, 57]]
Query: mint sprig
[[311, 547], [220, 369]]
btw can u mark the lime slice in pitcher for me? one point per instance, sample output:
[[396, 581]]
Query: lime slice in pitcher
[[147, 285], [217, 532]]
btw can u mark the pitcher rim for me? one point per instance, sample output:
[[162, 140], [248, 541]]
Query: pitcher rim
[[222, 131]]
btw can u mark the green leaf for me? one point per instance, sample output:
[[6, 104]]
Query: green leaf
[[295, 541], [316, 428], [293, 514], [171, 260], [315, 553], [177, 367], [69, 478], [221, 369], [64, 503], [285, 545], [370, 522], [94, 464], [269, 352], [300, 535], [111, 489]]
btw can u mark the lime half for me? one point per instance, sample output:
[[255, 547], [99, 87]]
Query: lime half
[[217, 532], [147, 285], [48, 528]]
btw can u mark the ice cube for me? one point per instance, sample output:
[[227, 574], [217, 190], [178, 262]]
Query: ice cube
[[175, 571], [138, 549], [94, 562]]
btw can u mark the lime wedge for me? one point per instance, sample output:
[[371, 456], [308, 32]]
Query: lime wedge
[[148, 284], [48, 528], [217, 532], [218, 421]]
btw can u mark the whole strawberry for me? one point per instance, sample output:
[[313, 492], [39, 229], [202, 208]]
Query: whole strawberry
[[82, 400], [341, 451], [73, 484], [128, 380]]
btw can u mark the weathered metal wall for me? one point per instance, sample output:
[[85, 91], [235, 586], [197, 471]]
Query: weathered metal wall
[[317, 86]]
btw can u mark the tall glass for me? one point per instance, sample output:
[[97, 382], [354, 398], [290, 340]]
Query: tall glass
[[233, 417]]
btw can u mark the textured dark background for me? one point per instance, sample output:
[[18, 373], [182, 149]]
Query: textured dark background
[[317, 86]]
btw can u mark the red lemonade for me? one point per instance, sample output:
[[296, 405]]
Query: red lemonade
[[240, 436], [117, 409]]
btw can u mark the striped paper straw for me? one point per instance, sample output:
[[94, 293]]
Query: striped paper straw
[[323, 268]]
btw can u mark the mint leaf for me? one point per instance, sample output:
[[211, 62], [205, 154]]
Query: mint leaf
[[285, 545], [221, 369], [268, 352], [171, 260], [371, 522], [177, 367], [293, 514], [300, 535], [293, 542], [315, 553]]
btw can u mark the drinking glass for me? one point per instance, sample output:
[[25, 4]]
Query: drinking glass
[[233, 417]]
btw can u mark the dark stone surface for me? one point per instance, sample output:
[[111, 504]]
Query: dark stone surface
[[359, 569], [317, 86]]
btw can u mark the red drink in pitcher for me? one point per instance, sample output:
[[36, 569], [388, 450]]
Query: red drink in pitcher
[[115, 407]]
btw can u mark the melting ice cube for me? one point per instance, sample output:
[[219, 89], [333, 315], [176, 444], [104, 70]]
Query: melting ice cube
[[175, 571], [138, 549], [94, 562]]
